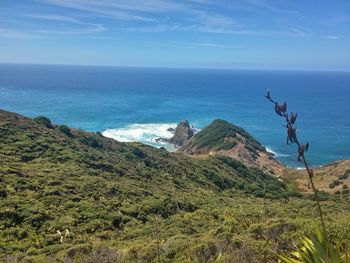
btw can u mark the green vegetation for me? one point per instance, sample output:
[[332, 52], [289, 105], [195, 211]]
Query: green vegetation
[[221, 135], [316, 249], [334, 184], [345, 175], [128, 202], [345, 191], [66, 130]]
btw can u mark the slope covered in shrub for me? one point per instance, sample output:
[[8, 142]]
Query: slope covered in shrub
[[83, 196]]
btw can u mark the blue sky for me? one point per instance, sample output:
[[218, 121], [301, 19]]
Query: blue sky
[[265, 34]]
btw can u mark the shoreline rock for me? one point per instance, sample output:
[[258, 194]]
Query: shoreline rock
[[183, 133]]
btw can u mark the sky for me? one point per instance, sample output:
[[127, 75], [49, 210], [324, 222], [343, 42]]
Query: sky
[[246, 34]]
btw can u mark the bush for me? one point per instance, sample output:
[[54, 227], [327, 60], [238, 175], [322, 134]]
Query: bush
[[3, 192], [336, 182], [65, 129], [42, 120], [99, 134], [90, 141], [138, 153], [331, 185], [345, 192], [227, 145], [345, 175], [98, 253]]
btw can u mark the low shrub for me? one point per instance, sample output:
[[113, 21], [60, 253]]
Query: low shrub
[[42, 120], [345, 175], [3, 192], [65, 130], [345, 192]]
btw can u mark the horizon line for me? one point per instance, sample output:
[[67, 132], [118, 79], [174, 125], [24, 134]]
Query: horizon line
[[177, 67]]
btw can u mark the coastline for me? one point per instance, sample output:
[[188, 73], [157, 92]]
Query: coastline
[[149, 133]]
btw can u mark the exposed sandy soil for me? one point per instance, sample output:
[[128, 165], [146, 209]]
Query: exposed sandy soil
[[323, 177]]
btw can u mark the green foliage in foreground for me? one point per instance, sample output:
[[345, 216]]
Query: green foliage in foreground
[[134, 203], [317, 249]]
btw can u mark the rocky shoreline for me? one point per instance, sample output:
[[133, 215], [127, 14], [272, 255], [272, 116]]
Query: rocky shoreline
[[181, 135]]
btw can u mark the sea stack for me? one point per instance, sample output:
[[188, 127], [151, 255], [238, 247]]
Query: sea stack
[[183, 133]]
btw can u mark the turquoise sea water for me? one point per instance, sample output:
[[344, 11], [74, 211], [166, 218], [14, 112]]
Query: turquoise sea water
[[135, 104]]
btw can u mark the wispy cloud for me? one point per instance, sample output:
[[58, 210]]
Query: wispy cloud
[[160, 16], [133, 10], [245, 31], [140, 10], [332, 37], [10, 33], [301, 31], [214, 19], [207, 45], [341, 19], [90, 27], [268, 6], [54, 18]]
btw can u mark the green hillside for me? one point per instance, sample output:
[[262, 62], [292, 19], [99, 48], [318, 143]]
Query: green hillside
[[128, 202], [221, 135]]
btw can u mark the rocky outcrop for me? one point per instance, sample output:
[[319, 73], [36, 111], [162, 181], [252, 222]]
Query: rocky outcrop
[[182, 134]]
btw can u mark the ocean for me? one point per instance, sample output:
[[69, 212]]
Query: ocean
[[140, 104]]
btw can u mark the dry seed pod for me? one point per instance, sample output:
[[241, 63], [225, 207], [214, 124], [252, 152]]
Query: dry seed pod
[[306, 147], [293, 117], [284, 107]]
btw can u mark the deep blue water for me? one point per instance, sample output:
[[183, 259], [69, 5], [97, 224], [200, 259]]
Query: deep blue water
[[139, 104]]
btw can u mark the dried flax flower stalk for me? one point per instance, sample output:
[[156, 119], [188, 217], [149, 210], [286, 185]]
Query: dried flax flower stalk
[[281, 110]]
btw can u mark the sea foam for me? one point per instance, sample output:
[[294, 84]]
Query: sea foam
[[268, 149], [145, 133]]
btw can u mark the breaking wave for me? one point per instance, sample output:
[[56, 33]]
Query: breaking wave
[[145, 133], [268, 149]]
